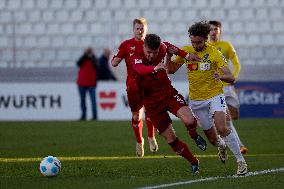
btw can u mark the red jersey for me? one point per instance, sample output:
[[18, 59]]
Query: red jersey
[[125, 51], [156, 86]]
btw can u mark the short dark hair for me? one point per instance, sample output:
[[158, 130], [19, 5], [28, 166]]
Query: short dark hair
[[201, 29], [140, 20], [152, 41], [215, 23]]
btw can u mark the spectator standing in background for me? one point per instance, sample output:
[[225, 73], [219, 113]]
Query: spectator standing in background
[[87, 81], [104, 72]]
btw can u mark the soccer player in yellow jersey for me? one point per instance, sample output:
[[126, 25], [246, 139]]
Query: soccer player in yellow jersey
[[227, 49], [207, 99]]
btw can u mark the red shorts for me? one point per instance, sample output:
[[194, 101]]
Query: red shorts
[[161, 120], [133, 95], [134, 100]]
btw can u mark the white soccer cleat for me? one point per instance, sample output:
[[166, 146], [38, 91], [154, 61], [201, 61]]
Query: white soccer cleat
[[222, 153], [153, 144], [242, 168], [140, 148]]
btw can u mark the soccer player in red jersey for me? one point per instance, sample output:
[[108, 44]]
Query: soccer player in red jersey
[[160, 97], [125, 51]]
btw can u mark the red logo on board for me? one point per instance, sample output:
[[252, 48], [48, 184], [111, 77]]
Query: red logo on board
[[107, 99]]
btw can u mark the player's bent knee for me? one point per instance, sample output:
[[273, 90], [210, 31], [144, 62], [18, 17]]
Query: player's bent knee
[[135, 116], [235, 116], [224, 131], [212, 137], [191, 123], [234, 112]]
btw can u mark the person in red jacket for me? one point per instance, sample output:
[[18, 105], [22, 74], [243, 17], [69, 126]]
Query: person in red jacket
[[87, 81]]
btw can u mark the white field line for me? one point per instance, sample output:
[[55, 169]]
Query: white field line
[[94, 158], [249, 174]]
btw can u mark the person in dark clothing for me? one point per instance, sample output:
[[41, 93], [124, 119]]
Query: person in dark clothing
[[104, 72], [87, 81]]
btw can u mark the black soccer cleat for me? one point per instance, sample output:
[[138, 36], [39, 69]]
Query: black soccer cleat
[[200, 142]]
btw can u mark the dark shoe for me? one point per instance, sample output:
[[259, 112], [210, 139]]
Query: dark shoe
[[242, 168], [195, 167], [200, 142], [82, 119], [222, 153]]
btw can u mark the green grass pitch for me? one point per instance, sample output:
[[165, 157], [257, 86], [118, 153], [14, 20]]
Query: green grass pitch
[[101, 154]]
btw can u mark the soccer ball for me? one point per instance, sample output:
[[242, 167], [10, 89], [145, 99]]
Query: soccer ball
[[50, 166]]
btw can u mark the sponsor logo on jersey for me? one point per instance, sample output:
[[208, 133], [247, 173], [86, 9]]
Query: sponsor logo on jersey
[[192, 67], [138, 61], [204, 66]]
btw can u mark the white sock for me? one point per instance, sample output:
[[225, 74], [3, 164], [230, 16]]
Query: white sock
[[231, 126], [220, 142], [232, 143]]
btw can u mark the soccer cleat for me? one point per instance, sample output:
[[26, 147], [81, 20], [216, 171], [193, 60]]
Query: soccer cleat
[[242, 168], [244, 149], [140, 148], [153, 144], [195, 167], [222, 153], [200, 142]]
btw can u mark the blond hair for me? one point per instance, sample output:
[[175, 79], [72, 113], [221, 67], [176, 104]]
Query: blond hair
[[140, 20]]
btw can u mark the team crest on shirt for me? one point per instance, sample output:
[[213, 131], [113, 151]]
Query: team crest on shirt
[[138, 61], [205, 58], [132, 48]]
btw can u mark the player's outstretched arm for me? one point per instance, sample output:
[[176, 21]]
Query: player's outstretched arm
[[115, 61], [193, 58], [172, 67]]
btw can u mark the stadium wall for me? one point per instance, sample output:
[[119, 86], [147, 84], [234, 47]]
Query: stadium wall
[[60, 101], [43, 35]]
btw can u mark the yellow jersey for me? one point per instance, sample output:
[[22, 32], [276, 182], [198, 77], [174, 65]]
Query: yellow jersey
[[202, 84], [227, 49]]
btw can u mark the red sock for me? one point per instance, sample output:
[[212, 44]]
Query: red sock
[[192, 129], [150, 127], [137, 127], [182, 149]]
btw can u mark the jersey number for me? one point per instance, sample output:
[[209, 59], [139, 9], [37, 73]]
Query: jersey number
[[179, 99]]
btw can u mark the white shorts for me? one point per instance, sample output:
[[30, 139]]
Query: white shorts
[[205, 109], [231, 96]]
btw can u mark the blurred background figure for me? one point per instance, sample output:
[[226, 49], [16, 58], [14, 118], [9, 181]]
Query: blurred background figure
[[87, 81], [104, 72]]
